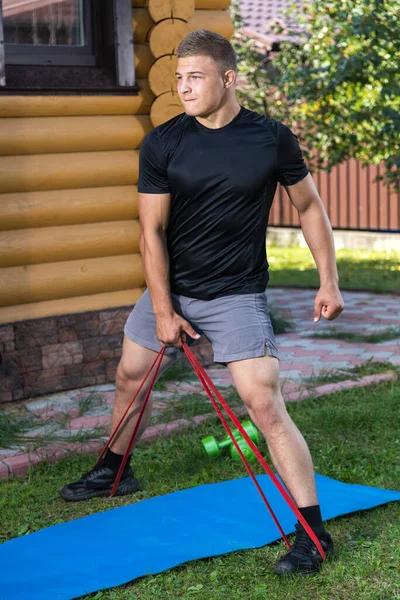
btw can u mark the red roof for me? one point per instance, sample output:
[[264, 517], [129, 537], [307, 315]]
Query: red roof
[[259, 15]]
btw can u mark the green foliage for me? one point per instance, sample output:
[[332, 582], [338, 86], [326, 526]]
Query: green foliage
[[339, 88], [256, 80], [13, 429]]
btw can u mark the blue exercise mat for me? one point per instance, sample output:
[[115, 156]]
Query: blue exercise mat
[[116, 546]]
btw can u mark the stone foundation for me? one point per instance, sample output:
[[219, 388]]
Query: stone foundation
[[67, 352]]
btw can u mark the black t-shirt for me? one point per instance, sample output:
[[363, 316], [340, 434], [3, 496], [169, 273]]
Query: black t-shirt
[[222, 183]]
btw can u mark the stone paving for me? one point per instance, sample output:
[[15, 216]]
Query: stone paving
[[66, 417]]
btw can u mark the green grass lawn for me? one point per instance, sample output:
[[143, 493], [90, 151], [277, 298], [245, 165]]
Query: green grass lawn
[[385, 335], [353, 436], [370, 367], [358, 269]]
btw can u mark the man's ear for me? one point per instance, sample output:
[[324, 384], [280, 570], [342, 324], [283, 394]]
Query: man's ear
[[229, 78]]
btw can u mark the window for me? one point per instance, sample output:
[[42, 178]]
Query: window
[[48, 32], [66, 45]]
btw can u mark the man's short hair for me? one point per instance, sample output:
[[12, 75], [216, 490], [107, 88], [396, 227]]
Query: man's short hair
[[202, 42]]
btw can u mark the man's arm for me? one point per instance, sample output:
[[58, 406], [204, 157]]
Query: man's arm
[[154, 210], [318, 234]]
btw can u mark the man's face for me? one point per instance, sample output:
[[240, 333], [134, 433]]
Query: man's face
[[200, 85]]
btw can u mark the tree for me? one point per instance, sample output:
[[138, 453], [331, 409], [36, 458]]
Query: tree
[[340, 88]]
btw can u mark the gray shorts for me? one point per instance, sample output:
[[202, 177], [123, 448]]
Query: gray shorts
[[238, 327]]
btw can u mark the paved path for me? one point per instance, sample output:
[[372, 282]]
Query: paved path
[[88, 410]]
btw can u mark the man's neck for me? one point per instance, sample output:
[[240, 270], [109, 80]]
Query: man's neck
[[223, 116]]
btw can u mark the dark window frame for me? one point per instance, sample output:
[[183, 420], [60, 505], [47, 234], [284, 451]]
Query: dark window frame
[[87, 55], [114, 48], [2, 61]]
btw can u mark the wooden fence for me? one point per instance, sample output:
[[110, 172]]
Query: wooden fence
[[351, 197]]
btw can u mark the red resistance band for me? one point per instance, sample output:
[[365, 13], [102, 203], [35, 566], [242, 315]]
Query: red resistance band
[[208, 387], [158, 360]]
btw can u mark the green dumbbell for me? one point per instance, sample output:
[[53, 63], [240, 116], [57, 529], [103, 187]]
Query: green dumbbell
[[213, 448], [246, 450]]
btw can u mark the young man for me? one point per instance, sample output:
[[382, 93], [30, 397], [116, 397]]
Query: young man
[[206, 182]]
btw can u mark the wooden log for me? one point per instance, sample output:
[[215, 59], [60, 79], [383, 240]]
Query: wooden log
[[171, 9], [166, 36], [213, 4], [48, 135], [68, 106], [65, 306], [68, 207], [54, 281], [162, 75], [165, 107], [70, 242], [142, 23], [214, 20], [32, 173], [143, 59], [166, 9]]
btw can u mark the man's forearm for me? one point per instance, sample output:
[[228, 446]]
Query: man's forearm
[[318, 234], [155, 259]]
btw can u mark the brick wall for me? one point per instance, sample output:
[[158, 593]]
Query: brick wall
[[60, 353], [48, 355]]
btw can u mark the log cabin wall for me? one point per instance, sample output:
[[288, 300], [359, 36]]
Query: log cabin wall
[[70, 270]]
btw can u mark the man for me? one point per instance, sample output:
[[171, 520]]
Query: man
[[206, 182]]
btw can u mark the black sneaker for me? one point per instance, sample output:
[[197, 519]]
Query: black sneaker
[[303, 557], [99, 482]]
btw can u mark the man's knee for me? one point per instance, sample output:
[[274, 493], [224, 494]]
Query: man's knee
[[135, 363], [266, 405], [258, 395], [132, 368], [126, 378]]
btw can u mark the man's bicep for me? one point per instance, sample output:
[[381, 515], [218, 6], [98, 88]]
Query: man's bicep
[[303, 193], [154, 211]]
